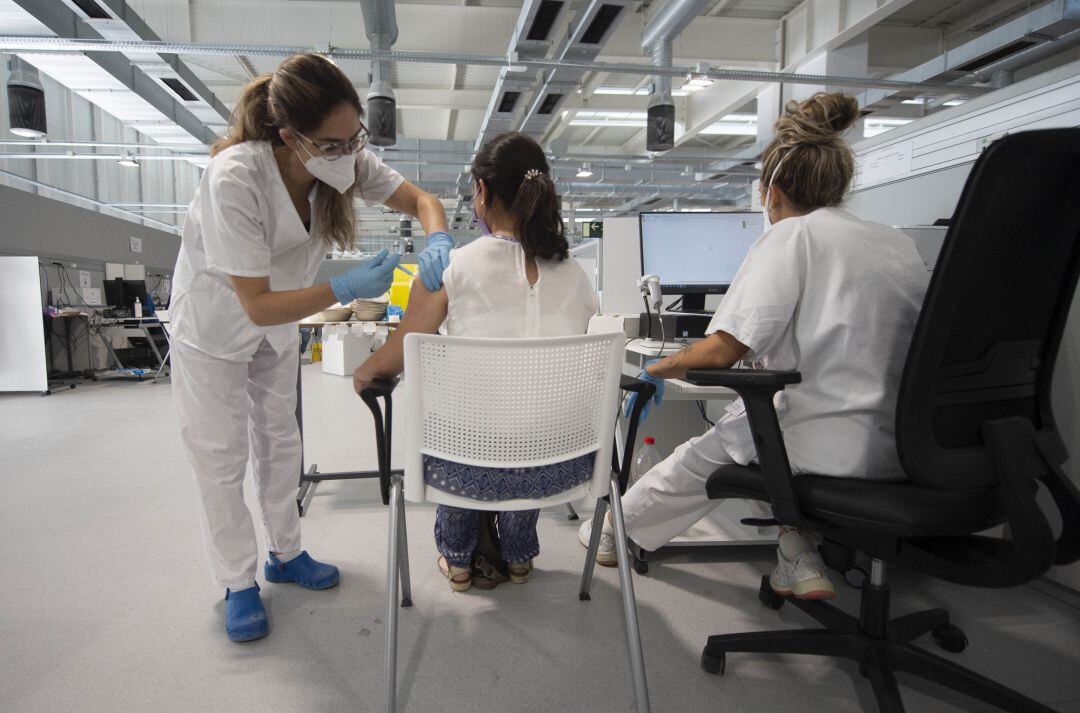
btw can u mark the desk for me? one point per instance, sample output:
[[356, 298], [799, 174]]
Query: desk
[[675, 421], [137, 327], [69, 347], [311, 477]]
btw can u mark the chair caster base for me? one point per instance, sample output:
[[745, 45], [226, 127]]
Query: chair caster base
[[950, 638], [767, 596], [584, 597], [406, 603], [714, 664]]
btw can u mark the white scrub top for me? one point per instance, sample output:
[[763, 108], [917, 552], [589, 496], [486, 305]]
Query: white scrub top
[[836, 298], [489, 295], [242, 222]]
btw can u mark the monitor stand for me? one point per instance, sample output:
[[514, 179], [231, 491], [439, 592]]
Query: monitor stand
[[693, 304]]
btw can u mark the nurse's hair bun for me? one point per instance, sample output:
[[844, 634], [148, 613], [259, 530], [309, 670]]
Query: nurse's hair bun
[[821, 119], [808, 158]]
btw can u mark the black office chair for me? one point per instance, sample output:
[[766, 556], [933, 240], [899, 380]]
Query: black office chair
[[974, 429]]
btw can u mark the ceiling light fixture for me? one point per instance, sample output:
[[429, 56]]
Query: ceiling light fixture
[[585, 172], [128, 161]]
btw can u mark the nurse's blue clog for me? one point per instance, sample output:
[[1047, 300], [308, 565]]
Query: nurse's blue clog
[[302, 569], [245, 615]]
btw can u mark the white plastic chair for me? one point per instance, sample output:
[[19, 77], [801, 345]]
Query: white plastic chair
[[503, 403]]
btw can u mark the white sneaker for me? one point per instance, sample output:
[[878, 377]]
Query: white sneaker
[[606, 554], [803, 578]]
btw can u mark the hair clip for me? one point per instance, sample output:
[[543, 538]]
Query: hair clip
[[532, 173]]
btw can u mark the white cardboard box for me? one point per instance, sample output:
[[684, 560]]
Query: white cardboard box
[[346, 347]]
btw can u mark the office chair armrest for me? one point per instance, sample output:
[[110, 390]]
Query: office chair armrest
[[645, 391], [757, 387], [734, 378], [383, 415]]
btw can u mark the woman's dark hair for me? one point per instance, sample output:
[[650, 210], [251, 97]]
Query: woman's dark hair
[[299, 95], [817, 163], [515, 171]]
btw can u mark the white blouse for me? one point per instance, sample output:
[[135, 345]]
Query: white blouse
[[490, 296]]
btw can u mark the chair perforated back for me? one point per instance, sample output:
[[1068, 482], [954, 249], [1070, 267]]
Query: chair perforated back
[[988, 335], [510, 403]]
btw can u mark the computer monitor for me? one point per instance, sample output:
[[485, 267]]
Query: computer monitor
[[696, 254], [122, 293]]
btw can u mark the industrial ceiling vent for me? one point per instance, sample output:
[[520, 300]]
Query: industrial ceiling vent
[[380, 25], [26, 100]]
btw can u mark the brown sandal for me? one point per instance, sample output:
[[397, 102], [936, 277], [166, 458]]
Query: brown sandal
[[519, 572], [454, 575], [486, 575]]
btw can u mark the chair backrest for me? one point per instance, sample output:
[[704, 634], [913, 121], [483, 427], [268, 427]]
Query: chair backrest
[[510, 403], [989, 331]]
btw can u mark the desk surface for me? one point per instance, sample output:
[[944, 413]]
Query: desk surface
[[677, 389]]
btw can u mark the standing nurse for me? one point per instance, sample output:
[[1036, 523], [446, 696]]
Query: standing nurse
[[275, 198]]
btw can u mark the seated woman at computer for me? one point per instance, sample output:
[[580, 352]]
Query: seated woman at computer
[[823, 292], [515, 281]]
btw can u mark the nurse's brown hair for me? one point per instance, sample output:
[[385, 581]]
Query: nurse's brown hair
[[299, 95], [817, 163]]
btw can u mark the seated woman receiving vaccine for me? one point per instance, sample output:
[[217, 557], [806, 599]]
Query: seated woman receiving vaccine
[[515, 281]]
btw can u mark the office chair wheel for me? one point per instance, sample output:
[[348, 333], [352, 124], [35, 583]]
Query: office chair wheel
[[767, 596], [641, 566], [713, 664], [951, 638]]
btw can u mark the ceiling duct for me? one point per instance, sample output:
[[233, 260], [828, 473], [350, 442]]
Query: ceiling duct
[[380, 25], [26, 100], [656, 39]]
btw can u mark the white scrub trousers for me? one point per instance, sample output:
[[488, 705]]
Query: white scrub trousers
[[226, 409], [671, 497]]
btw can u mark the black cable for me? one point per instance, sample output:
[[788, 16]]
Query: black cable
[[677, 302], [701, 410], [648, 315]]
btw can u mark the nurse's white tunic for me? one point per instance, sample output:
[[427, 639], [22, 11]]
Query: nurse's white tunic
[[836, 298], [234, 383]]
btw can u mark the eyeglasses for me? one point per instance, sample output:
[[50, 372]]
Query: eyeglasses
[[332, 150]]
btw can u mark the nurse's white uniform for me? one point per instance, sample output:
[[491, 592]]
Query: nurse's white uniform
[[836, 298], [234, 383]]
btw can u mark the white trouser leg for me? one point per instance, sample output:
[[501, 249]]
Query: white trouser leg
[[276, 449], [671, 497], [212, 407]]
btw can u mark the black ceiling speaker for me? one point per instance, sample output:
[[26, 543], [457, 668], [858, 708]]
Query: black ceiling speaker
[[26, 101], [660, 128]]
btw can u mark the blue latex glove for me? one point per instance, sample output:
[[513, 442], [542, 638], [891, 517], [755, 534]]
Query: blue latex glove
[[434, 260], [370, 278], [656, 397]]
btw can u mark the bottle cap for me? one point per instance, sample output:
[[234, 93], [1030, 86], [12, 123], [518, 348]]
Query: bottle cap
[[649, 440]]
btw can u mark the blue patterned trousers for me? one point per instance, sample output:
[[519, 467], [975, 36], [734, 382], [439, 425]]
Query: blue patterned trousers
[[457, 531]]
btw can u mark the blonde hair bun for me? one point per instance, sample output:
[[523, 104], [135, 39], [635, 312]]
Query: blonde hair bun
[[821, 119]]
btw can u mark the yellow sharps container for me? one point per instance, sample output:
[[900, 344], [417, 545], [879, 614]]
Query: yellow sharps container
[[399, 290]]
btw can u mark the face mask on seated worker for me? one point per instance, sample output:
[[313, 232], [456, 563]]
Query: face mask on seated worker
[[768, 194]]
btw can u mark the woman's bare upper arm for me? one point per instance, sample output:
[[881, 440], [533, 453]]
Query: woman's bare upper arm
[[426, 312]]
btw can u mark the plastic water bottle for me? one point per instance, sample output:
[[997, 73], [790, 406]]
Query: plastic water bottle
[[644, 461], [138, 309]]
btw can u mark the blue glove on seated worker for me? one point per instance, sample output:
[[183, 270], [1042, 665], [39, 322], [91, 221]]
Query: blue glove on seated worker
[[434, 260], [370, 278], [656, 397]]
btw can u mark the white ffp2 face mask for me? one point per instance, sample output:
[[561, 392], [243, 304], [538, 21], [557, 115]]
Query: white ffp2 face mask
[[768, 194], [339, 175]]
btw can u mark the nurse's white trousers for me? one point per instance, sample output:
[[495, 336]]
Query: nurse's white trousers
[[671, 497], [226, 409]]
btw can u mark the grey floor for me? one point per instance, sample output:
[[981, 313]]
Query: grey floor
[[106, 603]]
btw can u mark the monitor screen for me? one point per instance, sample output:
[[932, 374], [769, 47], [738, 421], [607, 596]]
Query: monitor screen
[[696, 253]]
